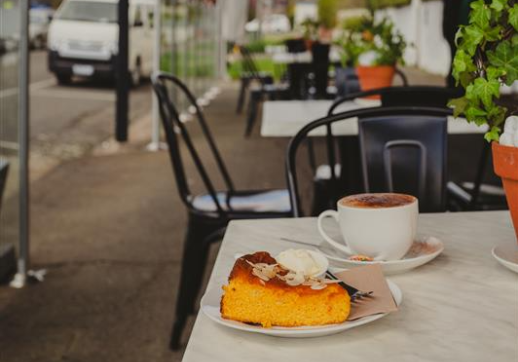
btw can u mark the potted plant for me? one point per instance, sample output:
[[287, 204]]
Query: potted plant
[[374, 48], [327, 10], [310, 31], [486, 59]]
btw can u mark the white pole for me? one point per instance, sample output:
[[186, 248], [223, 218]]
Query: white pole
[[155, 144]]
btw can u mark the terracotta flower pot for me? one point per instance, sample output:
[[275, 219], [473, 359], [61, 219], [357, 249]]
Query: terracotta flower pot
[[505, 160], [375, 77], [308, 43]]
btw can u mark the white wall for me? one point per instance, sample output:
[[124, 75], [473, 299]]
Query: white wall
[[234, 16], [305, 11], [421, 24]]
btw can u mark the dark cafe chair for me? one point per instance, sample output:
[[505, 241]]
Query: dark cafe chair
[[425, 96], [210, 212], [249, 74], [402, 149]]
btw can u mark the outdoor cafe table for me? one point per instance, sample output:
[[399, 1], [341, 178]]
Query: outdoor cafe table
[[304, 57], [286, 118], [462, 306]]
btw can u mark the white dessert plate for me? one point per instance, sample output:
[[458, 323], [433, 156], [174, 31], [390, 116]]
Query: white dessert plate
[[210, 307], [424, 250], [507, 255]]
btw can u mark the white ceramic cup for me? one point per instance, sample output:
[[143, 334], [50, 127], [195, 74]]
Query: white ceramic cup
[[382, 231]]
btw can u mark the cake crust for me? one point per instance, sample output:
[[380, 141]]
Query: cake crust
[[250, 299]]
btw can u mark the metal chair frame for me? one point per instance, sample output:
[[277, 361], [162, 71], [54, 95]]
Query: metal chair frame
[[204, 226], [291, 168]]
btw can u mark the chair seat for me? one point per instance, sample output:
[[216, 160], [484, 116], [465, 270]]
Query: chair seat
[[272, 201]]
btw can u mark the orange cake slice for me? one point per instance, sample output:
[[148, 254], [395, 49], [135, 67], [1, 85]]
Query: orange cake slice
[[259, 292]]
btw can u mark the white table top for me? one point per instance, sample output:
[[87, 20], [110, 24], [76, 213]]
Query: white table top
[[463, 306], [304, 57], [286, 118]]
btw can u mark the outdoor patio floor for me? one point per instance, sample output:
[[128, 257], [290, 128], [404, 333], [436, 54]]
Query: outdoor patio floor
[[109, 230]]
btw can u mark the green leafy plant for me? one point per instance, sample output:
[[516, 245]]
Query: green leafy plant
[[486, 58], [327, 10], [377, 38], [310, 29]]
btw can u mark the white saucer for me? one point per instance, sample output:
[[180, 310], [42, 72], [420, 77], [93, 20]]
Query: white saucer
[[507, 255], [210, 307], [423, 250]]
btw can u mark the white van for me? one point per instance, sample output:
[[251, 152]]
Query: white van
[[83, 39]]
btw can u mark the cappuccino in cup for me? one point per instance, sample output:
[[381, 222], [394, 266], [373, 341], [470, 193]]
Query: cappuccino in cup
[[380, 225]]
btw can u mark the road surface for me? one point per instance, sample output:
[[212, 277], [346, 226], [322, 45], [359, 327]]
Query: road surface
[[66, 121]]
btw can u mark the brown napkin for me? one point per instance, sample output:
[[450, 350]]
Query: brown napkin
[[369, 278]]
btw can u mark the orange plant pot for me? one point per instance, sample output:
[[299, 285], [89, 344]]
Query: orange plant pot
[[375, 77], [505, 161]]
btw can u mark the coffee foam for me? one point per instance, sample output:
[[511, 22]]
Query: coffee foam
[[377, 201]]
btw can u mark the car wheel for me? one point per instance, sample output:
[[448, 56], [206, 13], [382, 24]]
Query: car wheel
[[64, 79]]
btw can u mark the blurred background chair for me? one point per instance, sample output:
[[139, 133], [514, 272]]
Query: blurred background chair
[[297, 45], [250, 74], [209, 212], [320, 69], [402, 149], [263, 87], [348, 168]]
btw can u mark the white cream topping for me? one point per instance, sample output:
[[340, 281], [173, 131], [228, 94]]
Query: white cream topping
[[306, 262]]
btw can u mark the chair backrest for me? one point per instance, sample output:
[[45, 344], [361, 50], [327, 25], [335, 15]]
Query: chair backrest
[[175, 131], [406, 154], [403, 129], [320, 53], [411, 96], [249, 65]]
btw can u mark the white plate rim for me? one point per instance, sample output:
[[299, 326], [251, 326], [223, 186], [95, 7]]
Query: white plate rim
[[506, 263], [299, 331]]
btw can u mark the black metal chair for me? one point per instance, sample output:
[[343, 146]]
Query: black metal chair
[[475, 195], [250, 74], [424, 96], [403, 150], [210, 212]]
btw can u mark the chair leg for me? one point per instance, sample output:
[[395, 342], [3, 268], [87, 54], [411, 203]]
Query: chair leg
[[253, 105], [242, 94], [194, 260]]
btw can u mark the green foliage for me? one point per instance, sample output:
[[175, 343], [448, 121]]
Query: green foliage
[[486, 58], [259, 46], [378, 4], [310, 28], [327, 10], [264, 65], [366, 35]]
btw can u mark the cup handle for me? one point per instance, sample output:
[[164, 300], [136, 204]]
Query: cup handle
[[337, 245]]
